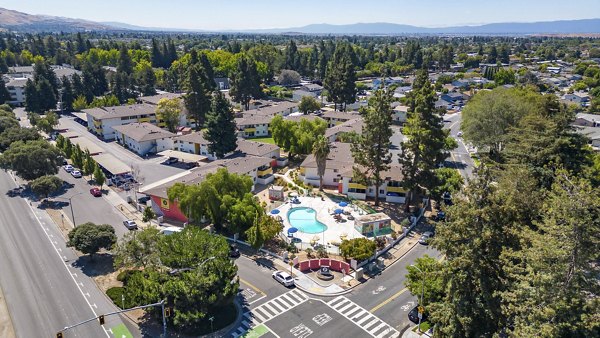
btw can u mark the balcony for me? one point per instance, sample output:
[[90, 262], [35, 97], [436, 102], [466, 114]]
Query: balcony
[[249, 130], [265, 170], [356, 186]]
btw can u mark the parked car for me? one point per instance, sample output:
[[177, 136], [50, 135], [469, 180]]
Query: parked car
[[426, 238], [440, 216], [130, 224], [283, 278], [96, 192], [143, 199], [68, 168], [171, 160], [190, 165], [234, 252], [413, 315], [76, 173]]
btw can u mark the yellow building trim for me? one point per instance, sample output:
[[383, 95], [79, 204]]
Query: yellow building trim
[[356, 186], [249, 130], [267, 171], [395, 189]]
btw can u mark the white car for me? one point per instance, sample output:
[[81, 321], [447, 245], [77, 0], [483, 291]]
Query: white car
[[459, 134], [283, 278], [129, 224], [426, 238], [76, 173], [68, 168]]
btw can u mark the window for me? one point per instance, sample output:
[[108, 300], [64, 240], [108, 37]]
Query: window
[[335, 170], [336, 180], [381, 191]]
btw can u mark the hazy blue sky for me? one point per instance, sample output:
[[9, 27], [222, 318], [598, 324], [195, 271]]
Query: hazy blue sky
[[240, 14]]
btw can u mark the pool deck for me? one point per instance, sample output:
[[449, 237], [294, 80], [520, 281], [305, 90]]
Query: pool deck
[[323, 209]]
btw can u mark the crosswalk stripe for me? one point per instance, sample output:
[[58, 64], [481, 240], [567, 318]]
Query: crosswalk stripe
[[379, 327], [364, 319], [349, 305], [339, 305], [285, 302], [289, 299], [259, 315], [278, 306], [372, 324], [268, 309], [354, 311]]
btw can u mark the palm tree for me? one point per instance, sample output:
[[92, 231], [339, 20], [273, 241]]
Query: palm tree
[[321, 151]]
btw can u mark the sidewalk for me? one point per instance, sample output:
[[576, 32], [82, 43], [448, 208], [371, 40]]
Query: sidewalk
[[6, 327]]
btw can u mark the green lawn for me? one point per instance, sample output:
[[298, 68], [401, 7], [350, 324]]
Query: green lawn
[[121, 331], [263, 140]]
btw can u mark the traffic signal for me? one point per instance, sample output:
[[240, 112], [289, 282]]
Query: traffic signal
[[167, 312], [59, 335], [101, 319]]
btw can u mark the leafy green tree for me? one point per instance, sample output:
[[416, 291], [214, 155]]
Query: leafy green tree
[[99, 177], [504, 76], [473, 239], [426, 279], [555, 279], [46, 185], [138, 249], [32, 159], [255, 235], [296, 137], [77, 156], [60, 142], [490, 114], [242, 213], [292, 57], [449, 180], [8, 123], [125, 64], [11, 135], [206, 199], [169, 111], [288, 77], [245, 82], [148, 214], [371, 151], [90, 238], [145, 78], [358, 248], [221, 130], [48, 122], [89, 164], [80, 103], [320, 151], [68, 148], [427, 143], [308, 104]]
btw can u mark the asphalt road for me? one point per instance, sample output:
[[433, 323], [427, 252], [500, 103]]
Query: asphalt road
[[459, 157], [45, 286]]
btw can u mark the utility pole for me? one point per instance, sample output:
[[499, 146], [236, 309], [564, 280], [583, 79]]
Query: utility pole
[[162, 305], [420, 314], [71, 206]]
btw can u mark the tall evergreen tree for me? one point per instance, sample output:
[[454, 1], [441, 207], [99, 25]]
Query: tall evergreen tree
[[220, 126], [156, 55], [340, 79], [4, 94], [427, 143], [292, 57], [245, 82], [371, 149], [67, 95], [209, 71], [124, 63], [198, 96]]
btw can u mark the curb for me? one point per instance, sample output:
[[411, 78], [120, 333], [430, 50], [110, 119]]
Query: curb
[[324, 295]]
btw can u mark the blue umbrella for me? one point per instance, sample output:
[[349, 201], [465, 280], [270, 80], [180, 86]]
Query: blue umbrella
[[343, 204], [274, 211], [292, 230], [338, 211]]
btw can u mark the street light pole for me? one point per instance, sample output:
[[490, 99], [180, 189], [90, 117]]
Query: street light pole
[[71, 206], [422, 291]]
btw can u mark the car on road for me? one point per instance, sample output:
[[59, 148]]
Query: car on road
[[234, 252], [130, 224], [68, 168], [413, 315], [96, 192], [426, 237], [283, 278], [76, 173], [459, 134]]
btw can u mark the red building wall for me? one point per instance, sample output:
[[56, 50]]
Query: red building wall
[[171, 210]]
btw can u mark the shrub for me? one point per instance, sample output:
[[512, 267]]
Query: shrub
[[394, 235], [124, 275], [309, 252], [321, 252]]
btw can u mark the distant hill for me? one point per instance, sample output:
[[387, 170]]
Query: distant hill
[[382, 28], [18, 21]]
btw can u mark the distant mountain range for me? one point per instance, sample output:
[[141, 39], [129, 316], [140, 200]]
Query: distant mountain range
[[18, 21]]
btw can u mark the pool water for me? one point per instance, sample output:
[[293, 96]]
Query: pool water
[[305, 220]]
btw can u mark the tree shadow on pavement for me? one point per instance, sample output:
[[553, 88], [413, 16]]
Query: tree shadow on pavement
[[98, 265]]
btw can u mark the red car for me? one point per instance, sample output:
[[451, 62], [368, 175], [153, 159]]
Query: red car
[[96, 192]]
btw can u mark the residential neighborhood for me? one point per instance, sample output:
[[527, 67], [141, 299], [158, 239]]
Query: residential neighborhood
[[417, 179]]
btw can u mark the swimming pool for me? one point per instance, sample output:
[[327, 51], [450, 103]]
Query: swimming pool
[[305, 220]]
